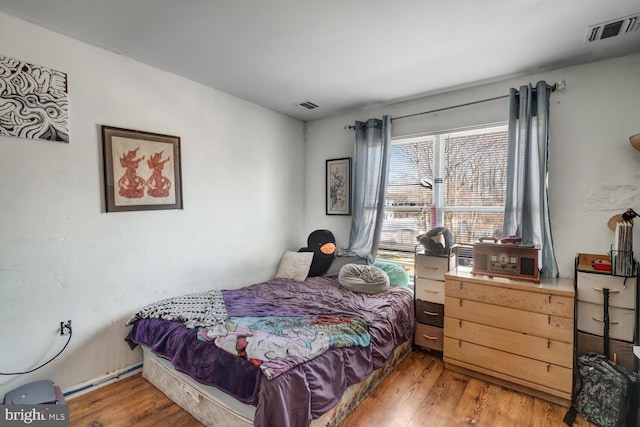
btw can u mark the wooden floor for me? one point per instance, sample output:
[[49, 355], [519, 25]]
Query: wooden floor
[[421, 392]]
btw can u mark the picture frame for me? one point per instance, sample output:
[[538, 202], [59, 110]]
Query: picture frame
[[141, 170], [338, 186]]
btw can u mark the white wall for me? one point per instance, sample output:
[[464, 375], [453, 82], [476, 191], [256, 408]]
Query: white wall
[[593, 170], [62, 257]]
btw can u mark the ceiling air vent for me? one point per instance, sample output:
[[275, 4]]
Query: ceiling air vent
[[306, 105], [613, 28]]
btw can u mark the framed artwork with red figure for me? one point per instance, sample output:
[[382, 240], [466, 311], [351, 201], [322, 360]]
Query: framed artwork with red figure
[[141, 170]]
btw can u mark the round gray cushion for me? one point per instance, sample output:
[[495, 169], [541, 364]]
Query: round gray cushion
[[366, 279]]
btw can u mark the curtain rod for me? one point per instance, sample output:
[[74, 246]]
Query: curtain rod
[[556, 86], [450, 108]]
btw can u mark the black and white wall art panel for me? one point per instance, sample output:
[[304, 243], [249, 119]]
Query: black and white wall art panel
[[33, 101]]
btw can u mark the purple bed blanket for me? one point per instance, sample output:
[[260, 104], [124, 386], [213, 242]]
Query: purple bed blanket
[[307, 390]]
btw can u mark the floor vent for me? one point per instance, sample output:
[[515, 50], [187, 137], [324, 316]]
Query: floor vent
[[617, 27], [306, 105]]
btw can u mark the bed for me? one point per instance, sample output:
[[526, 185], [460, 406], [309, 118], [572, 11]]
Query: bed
[[227, 386]]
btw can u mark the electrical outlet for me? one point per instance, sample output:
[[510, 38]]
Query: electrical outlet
[[65, 327]]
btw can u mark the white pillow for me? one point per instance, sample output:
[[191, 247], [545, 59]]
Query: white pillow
[[295, 265]]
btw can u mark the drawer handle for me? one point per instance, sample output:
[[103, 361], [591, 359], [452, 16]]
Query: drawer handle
[[600, 319], [427, 267], [611, 291], [431, 313], [429, 338], [433, 291]]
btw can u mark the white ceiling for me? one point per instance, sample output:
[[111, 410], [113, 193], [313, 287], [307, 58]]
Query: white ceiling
[[342, 55]]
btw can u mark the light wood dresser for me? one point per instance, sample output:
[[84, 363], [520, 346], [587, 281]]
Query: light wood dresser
[[514, 333]]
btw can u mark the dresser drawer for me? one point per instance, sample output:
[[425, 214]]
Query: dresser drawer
[[591, 320], [540, 325], [620, 350], [527, 299], [590, 289], [514, 368], [429, 290], [543, 349], [433, 267], [429, 313], [429, 337]]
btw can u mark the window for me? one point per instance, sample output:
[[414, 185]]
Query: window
[[457, 179]]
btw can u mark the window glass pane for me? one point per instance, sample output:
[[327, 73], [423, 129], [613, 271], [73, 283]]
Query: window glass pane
[[410, 173], [476, 169], [409, 194]]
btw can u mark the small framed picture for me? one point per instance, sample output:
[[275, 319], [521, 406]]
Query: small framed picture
[[141, 170], [338, 173]]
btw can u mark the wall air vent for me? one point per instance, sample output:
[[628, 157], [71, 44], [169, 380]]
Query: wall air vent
[[306, 105], [616, 27]]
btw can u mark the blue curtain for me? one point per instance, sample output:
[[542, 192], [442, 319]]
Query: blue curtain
[[527, 208], [370, 166]]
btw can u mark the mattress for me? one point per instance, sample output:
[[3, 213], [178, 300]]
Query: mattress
[[215, 408]]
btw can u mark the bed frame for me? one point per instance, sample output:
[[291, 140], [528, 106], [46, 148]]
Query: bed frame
[[213, 407]]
